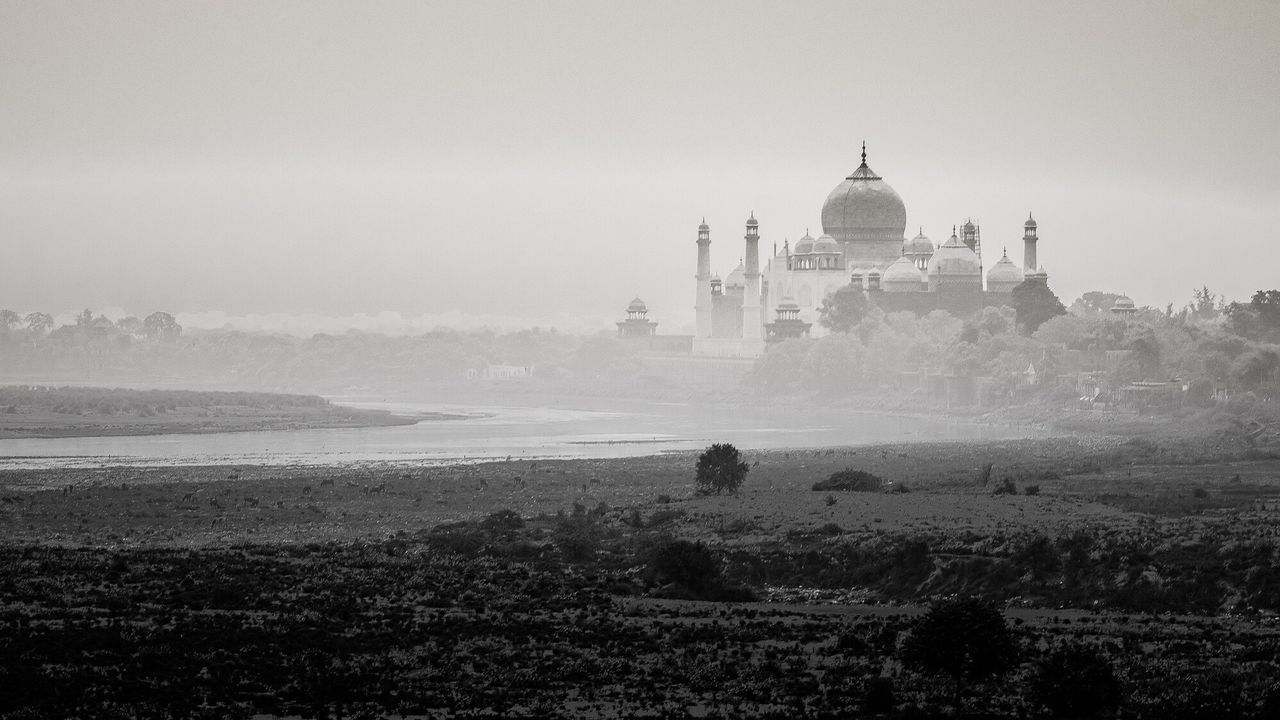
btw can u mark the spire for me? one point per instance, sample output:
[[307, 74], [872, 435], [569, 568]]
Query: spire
[[864, 152]]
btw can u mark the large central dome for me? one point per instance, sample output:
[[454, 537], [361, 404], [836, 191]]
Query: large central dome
[[865, 210]]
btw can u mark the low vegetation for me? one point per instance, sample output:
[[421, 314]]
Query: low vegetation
[[850, 480], [598, 588]]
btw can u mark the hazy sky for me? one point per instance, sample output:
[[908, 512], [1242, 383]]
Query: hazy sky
[[542, 160]]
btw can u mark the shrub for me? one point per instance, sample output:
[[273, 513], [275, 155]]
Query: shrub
[[880, 696], [662, 517], [503, 521], [966, 640], [577, 536], [850, 480], [1006, 488], [1031, 490], [688, 565], [1058, 679], [720, 469]]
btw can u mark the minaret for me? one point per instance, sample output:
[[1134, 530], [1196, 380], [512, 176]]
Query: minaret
[[702, 305], [752, 325], [1029, 264]]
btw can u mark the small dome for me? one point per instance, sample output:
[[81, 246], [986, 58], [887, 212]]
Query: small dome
[[874, 272], [918, 245], [1123, 303], [804, 245], [1030, 223], [637, 305], [737, 278], [751, 221], [704, 225], [826, 244], [902, 275], [954, 258], [1004, 272]]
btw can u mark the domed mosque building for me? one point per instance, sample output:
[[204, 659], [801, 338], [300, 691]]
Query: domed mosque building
[[863, 244]]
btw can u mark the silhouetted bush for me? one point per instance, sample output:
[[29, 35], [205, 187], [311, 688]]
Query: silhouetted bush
[[577, 536], [1076, 682], [880, 697], [720, 469], [967, 640], [686, 564], [503, 521], [850, 480]]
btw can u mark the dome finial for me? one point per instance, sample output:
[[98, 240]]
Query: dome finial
[[864, 152]]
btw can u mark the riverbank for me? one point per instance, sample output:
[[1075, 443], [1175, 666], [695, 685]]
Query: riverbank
[[61, 412]]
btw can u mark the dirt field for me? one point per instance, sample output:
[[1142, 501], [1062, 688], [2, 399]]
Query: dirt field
[[407, 591], [1082, 482]]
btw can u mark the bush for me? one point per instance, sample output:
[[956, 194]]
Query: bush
[[880, 696], [1058, 680], [688, 565], [966, 640], [503, 521], [662, 517], [850, 480], [577, 536], [720, 469]]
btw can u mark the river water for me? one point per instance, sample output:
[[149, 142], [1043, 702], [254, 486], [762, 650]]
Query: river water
[[482, 432]]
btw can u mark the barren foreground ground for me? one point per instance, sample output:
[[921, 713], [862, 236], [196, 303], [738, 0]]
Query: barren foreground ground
[[531, 589]]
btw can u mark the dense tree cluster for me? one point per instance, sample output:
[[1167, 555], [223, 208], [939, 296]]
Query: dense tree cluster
[[1211, 346]]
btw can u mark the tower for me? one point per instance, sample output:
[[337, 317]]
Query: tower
[[1029, 264], [702, 304], [752, 325]]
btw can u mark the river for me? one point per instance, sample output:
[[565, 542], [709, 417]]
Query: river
[[480, 432]]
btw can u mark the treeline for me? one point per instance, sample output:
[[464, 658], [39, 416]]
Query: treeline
[[94, 348], [1209, 345], [120, 401]]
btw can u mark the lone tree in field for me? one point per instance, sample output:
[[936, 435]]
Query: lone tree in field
[[966, 640], [720, 469]]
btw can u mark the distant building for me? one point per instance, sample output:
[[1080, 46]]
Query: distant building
[[637, 324], [1123, 307], [863, 244]]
